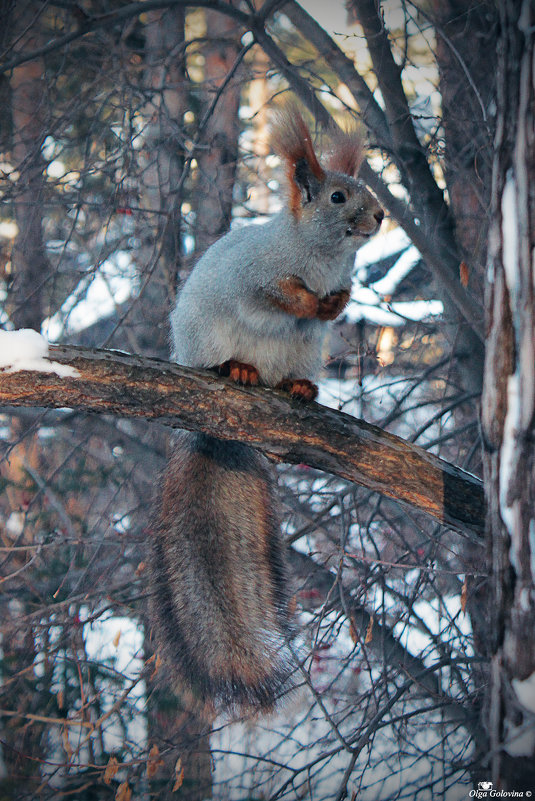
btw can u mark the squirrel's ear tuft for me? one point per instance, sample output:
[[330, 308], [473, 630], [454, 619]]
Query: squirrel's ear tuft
[[291, 140], [347, 151]]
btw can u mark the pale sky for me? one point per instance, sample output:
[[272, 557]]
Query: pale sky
[[331, 15]]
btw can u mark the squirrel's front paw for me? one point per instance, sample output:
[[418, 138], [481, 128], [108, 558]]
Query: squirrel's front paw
[[240, 372], [331, 305], [296, 298], [300, 388]]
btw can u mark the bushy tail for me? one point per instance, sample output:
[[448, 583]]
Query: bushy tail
[[219, 602]]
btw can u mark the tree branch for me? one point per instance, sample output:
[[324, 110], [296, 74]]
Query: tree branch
[[379, 637], [116, 383], [344, 67], [442, 261], [94, 23]]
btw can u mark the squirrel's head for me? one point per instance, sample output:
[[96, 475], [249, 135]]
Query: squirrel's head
[[333, 208]]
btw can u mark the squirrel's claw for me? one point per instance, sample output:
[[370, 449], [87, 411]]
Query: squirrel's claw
[[240, 372], [300, 388]]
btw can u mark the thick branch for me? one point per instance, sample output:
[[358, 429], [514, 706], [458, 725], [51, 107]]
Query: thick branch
[[426, 195], [389, 78], [117, 383], [440, 263], [344, 67], [440, 260]]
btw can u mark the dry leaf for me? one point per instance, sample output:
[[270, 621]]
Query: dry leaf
[[66, 743], [124, 793], [463, 273], [464, 594], [116, 639], [154, 762], [369, 632], [140, 568], [292, 605], [60, 698], [353, 631], [179, 775], [157, 665], [111, 769]]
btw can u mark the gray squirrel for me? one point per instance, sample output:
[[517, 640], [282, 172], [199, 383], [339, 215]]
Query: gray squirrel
[[255, 307]]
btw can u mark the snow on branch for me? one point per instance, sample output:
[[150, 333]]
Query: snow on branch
[[110, 382], [25, 349]]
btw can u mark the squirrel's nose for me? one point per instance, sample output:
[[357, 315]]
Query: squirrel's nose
[[379, 216]]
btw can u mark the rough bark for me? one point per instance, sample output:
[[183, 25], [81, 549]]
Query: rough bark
[[218, 153], [166, 82], [508, 410], [465, 37], [116, 383], [142, 325], [26, 305], [27, 302]]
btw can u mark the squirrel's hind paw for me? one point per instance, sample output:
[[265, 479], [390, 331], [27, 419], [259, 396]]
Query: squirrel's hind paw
[[300, 388], [240, 372]]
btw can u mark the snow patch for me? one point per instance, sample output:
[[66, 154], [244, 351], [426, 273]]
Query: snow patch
[[520, 740], [389, 282], [381, 247], [365, 304], [26, 349], [368, 302], [15, 524], [97, 295], [525, 692], [508, 457], [510, 233]]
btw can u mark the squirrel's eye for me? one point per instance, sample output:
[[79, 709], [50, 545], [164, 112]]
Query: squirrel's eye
[[338, 197]]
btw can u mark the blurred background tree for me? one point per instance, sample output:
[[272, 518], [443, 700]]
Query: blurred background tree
[[134, 135]]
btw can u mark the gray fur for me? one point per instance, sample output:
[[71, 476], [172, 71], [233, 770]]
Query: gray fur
[[223, 311]]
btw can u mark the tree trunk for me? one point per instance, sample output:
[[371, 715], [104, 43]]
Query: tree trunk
[[218, 152], [508, 411], [26, 303], [163, 162], [467, 89], [26, 306], [174, 730], [259, 97], [183, 741]]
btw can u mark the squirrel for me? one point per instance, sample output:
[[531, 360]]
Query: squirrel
[[255, 307]]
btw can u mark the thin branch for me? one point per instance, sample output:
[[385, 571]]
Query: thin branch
[[440, 263], [108, 20], [344, 67], [462, 63], [440, 260], [109, 382]]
